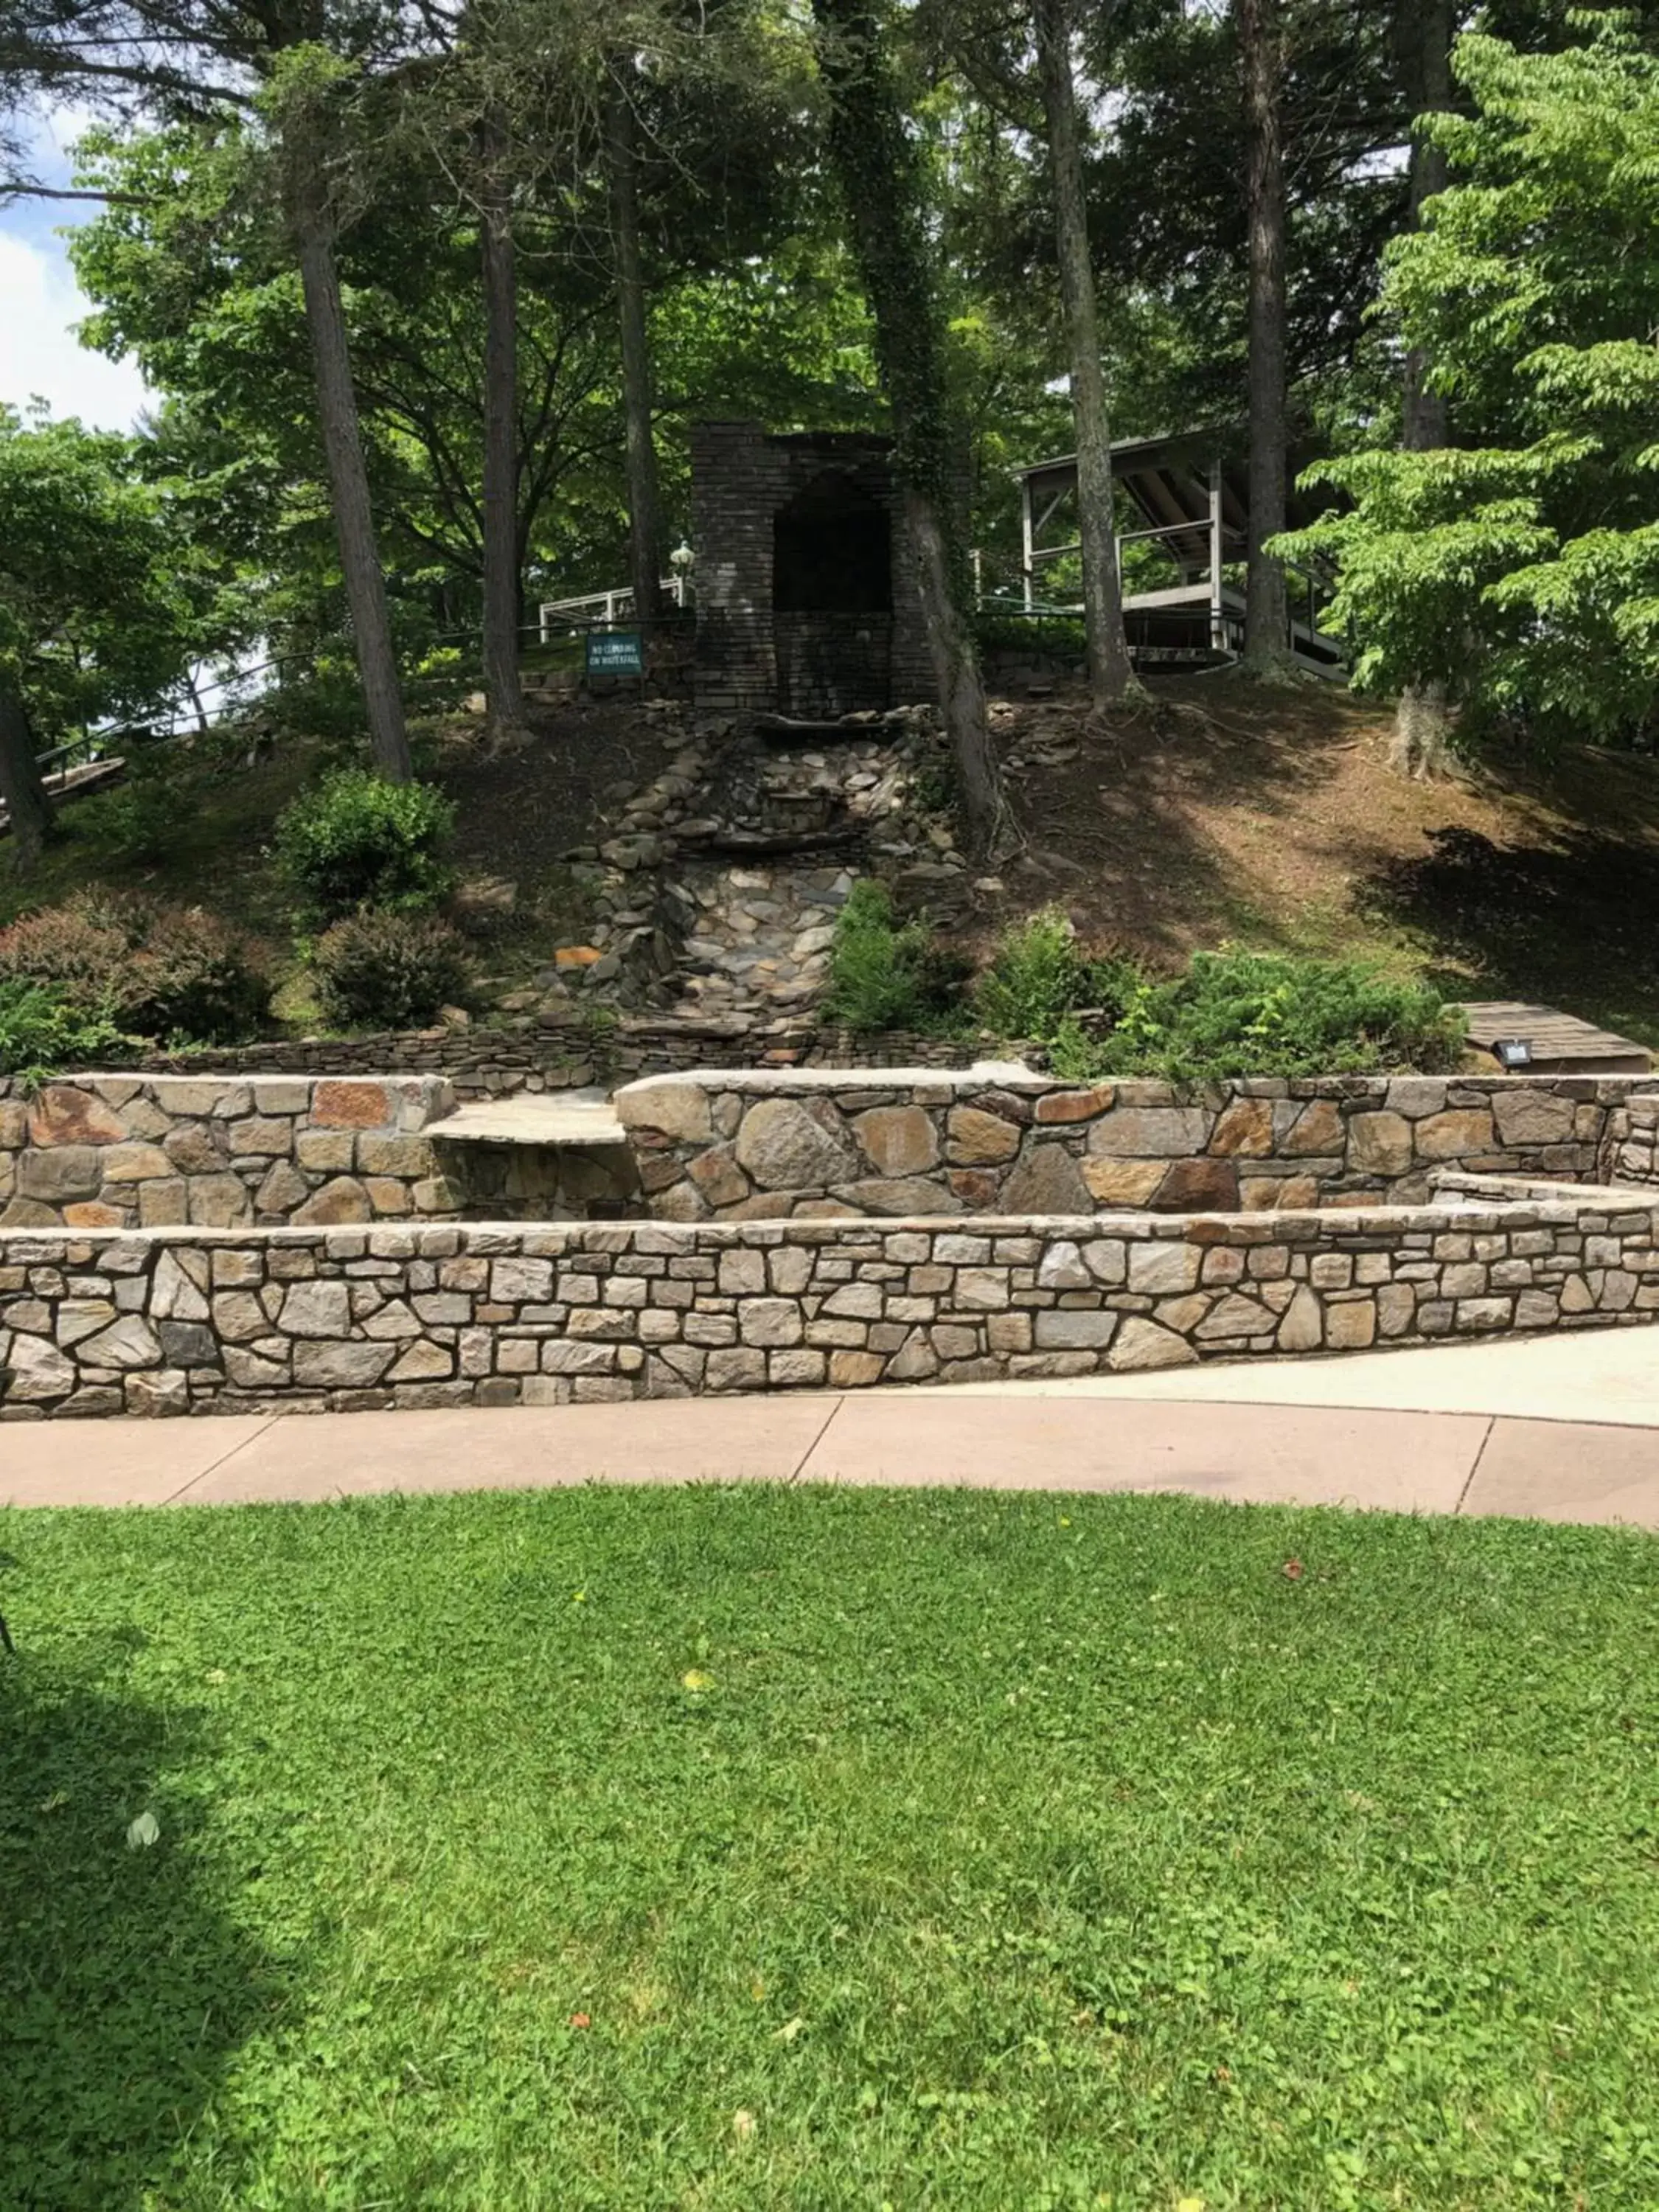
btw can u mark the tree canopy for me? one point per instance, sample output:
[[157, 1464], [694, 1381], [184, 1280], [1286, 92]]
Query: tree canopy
[[1519, 566], [295, 200]]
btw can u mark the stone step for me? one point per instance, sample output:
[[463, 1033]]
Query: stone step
[[564, 1120]]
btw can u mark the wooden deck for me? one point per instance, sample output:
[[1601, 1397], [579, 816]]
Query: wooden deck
[[1561, 1043]]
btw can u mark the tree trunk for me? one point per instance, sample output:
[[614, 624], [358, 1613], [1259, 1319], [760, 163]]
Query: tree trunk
[[27, 807], [1267, 610], [503, 691], [354, 518], [1111, 673], [1422, 720], [875, 165], [644, 496], [1422, 728], [1426, 70], [956, 667]]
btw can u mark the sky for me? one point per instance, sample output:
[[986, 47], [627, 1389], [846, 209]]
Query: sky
[[40, 302]]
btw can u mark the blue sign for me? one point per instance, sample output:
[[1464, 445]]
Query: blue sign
[[616, 652]]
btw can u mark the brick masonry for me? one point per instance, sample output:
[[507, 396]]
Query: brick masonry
[[759, 1144], [748, 656], [182, 1320]]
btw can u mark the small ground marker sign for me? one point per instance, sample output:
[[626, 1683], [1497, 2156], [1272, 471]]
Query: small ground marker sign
[[615, 653]]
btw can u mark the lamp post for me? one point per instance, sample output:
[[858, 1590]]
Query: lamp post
[[681, 561]]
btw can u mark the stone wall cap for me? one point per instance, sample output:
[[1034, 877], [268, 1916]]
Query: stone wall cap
[[506, 1237], [1005, 1074]]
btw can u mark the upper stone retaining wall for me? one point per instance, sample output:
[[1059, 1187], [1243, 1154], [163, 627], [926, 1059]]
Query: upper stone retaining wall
[[568, 1053], [109, 1151], [194, 1320], [745, 1145]]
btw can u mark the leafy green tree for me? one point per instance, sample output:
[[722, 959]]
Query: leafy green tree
[[95, 622], [1517, 570], [98, 617], [882, 185]]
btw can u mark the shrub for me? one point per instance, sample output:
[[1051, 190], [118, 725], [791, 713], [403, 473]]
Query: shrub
[[388, 970], [79, 948], [885, 975], [358, 840], [158, 971], [1040, 976], [192, 977], [42, 1029]]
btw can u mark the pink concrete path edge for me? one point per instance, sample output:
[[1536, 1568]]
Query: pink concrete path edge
[[1391, 1459]]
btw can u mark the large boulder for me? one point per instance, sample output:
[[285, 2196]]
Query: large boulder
[[790, 1144]]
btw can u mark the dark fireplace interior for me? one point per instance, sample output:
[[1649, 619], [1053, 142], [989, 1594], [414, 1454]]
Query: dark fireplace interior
[[832, 551]]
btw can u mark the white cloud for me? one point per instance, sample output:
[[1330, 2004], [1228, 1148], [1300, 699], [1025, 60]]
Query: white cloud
[[40, 354]]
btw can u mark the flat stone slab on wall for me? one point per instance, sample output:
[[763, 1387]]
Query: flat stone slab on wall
[[741, 1143], [179, 1321]]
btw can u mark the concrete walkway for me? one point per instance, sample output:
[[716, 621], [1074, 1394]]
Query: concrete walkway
[[1562, 1429]]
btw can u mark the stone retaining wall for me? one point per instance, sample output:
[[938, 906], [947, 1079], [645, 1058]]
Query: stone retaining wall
[[195, 1320], [569, 1054], [1632, 1151], [750, 1145], [150, 1151]]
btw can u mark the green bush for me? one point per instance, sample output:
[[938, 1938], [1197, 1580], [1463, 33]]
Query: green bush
[[388, 970], [888, 976], [42, 1029], [156, 970], [357, 841]]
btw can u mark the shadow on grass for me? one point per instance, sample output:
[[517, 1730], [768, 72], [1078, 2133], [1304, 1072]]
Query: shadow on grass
[[126, 1984], [1569, 922]]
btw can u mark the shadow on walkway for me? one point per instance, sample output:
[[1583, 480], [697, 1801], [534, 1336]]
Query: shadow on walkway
[[126, 1985]]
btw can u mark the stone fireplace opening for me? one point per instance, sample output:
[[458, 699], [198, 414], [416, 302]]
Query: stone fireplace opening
[[832, 551]]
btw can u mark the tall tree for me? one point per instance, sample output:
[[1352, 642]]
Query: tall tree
[[621, 125], [200, 61], [1424, 32], [309, 153], [502, 570], [1262, 62], [877, 166], [1111, 673]]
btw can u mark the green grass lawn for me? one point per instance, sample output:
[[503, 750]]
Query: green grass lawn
[[791, 1848]]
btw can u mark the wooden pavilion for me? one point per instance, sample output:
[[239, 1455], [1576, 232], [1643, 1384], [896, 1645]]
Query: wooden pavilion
[[1191, 491]]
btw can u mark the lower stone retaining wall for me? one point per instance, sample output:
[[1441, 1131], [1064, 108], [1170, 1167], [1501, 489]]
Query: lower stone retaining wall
[[737, 1145], [179, 1321], [151, 1151]]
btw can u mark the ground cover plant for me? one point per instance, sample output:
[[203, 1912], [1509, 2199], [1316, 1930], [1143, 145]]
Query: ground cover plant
[[742, 1848], [1231, 1012]]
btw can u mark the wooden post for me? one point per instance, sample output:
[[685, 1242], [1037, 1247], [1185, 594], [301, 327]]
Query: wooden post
[[1218, 612], [1027, 536]]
